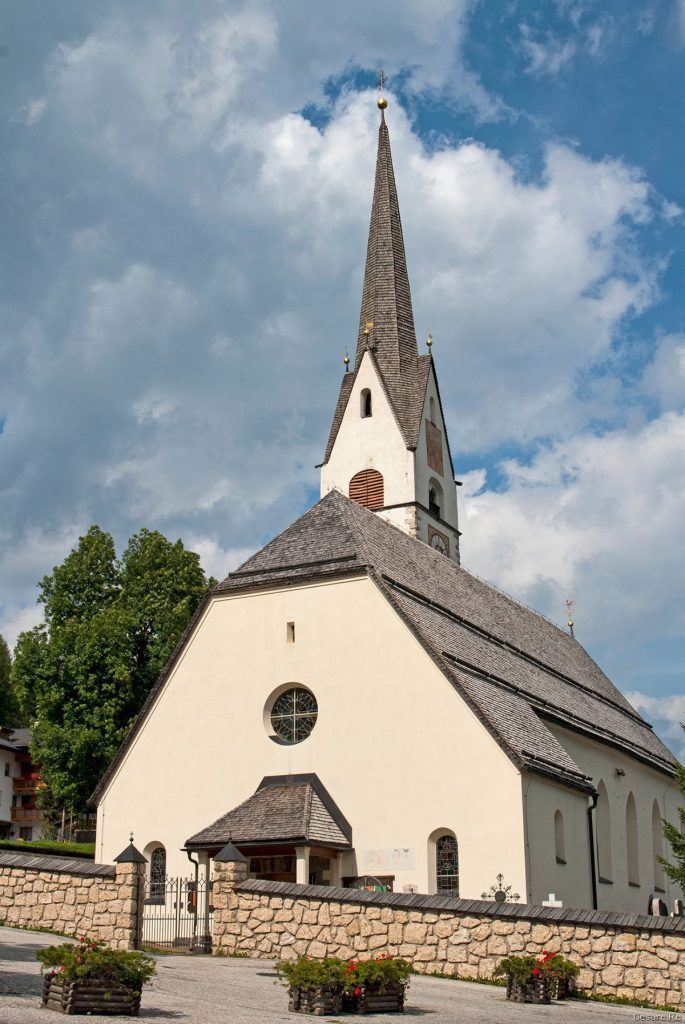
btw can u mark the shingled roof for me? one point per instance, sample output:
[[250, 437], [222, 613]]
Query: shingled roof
[[290, 809], [515, 668], [386, 303]]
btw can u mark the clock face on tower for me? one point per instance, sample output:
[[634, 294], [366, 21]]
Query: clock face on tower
[[438, 541]]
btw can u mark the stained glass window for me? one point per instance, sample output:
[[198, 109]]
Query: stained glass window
[[293, 715], [447, 864], [157, 872]]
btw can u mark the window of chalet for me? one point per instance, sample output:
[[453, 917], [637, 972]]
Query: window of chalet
[[366, 408], [366, 488]]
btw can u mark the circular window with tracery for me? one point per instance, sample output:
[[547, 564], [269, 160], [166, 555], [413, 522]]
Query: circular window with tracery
[[293, 715]]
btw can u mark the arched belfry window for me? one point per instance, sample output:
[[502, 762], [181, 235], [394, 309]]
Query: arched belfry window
[[632, 854], [366, 488], [559, 838], [603, 818], [366, 409], [447, 863], [435, 499]]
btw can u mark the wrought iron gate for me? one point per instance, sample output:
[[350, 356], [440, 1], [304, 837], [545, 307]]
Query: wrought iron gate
[[177, 914]]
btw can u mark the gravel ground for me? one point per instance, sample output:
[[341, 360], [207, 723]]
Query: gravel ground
[[214, 990]]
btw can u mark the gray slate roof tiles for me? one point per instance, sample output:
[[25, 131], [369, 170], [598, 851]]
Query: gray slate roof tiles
[[292, 811], [515, 668]]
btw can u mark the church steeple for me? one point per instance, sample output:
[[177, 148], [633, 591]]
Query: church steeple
[[388, 446], [386, 297]]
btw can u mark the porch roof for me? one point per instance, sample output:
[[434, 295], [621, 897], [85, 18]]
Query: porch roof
[[285, 809]]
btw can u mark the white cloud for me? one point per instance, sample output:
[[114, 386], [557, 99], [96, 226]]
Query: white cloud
[[547, 54], [595, 519], [665, 376], [667, 714]]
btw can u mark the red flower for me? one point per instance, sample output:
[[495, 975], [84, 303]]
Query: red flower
[[357, 991], [536, 970]]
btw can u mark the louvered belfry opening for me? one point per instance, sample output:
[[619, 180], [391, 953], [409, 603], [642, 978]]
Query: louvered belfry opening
[[366, 488]]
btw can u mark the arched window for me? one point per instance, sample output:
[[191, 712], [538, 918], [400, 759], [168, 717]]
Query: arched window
[[158, 873], [657, 847], [435, 504], [631, 842], [447, 864], [431, 406], [559, 841], [603, 819], [366, 488], [366, 403]]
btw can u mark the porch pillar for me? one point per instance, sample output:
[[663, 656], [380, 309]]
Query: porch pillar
[[302, 865]]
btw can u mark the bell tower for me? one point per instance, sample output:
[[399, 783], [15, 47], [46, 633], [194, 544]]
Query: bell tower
[[388, 446]]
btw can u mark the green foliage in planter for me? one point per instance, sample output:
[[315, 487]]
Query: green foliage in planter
[[382, 973], [546, 966], [310, 974], [95, 962], [520, 968]]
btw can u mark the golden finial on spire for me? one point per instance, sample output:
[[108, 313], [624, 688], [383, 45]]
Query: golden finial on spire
[[429, 341], [569, 615], [381, 101], [368, 327], [346, 361]]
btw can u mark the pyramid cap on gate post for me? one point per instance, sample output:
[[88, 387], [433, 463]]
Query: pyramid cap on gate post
[[130, 855], [230, 854]]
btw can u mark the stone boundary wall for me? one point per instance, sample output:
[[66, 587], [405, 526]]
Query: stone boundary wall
[[76, 897], [620, 954]]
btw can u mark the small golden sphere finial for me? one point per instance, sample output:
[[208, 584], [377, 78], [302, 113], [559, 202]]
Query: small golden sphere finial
[[368, 327], [346, 361], [381, 102], [429, 340]]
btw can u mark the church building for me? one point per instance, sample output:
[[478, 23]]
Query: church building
[[352, 707]]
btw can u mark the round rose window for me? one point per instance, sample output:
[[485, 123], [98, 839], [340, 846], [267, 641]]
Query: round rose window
[[293, 715]]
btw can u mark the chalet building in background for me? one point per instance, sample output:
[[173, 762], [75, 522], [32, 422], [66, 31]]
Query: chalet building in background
[[351, 706], [20, 781]]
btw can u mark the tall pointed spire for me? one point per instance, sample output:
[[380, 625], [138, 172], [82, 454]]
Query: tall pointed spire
[[386, 298]]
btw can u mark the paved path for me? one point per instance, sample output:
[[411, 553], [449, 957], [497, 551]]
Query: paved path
[[213, 990]]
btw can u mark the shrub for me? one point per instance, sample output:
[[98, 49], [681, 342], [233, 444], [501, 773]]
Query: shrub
[[309, 974], [382, 972], [93, 961]]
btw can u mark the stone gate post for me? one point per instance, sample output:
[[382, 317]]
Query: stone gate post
[[128, 929], [229, 870]]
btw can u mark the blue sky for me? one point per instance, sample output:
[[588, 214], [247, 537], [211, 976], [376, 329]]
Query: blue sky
[[185, 198]]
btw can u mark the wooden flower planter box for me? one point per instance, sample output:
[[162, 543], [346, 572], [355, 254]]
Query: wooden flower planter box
[[376, 1000], [563, 988], [533, 992], [78, 997], [319, 1002]]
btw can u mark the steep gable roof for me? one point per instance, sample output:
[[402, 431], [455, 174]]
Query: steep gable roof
[[514, 667]]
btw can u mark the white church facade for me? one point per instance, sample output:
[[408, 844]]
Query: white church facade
[[351, 706]]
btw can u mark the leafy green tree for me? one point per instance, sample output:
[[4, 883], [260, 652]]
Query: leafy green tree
[[676, 837], [109, 628], [9, 708]]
